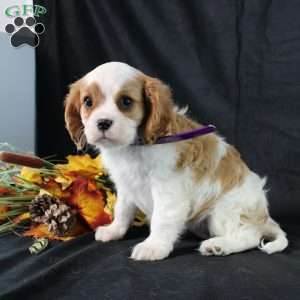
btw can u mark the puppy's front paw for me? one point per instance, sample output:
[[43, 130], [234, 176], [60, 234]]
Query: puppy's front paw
[[149, 250], [108, 233]]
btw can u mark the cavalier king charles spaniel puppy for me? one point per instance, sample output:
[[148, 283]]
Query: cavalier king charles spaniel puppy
[[200, 184]]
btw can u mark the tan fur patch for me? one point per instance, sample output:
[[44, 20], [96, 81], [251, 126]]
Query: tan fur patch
[[72, 115], [231, 171], [199, 153], [161, 109], [94, 92], [134, 90], [75, 109]]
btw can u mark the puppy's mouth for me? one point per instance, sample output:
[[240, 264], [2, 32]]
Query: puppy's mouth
[[104, 138]]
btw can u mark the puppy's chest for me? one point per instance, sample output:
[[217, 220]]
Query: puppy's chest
[[132, 176]]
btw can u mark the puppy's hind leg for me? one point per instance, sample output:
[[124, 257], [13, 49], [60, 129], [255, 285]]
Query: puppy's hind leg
[[247, 237], [240, 241]]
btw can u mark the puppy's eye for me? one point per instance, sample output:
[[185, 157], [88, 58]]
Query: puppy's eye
[[88, 102], [125, 103]]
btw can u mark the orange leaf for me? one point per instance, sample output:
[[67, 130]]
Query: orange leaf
[[54, 189], [89, 200], [22, 217], [41, 231]]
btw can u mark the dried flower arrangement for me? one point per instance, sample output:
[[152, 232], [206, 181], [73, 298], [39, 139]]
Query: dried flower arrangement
[[48, 201]]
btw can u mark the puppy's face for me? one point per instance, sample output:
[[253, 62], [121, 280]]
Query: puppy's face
[[114, 105]]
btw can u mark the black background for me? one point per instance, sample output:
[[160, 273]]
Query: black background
[[236, 63]]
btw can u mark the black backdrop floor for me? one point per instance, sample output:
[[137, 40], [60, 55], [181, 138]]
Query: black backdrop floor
[[86, 269]]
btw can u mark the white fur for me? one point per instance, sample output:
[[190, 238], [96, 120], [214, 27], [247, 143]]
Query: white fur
[[146, 178], [111, 77]]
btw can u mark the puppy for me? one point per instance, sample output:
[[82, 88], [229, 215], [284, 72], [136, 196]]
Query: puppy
[[178, 186]]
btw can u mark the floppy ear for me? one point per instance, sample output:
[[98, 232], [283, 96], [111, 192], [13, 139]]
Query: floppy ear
[[158, 98], [72, 117]]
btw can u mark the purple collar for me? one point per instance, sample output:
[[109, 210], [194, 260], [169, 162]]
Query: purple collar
[[184, 135]]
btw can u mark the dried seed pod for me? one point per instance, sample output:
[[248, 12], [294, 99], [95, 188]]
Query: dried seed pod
[[58, 216], [24, 160]]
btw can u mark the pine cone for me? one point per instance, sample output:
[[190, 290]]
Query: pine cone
[[49, 210], [60, 218], [39, 206]]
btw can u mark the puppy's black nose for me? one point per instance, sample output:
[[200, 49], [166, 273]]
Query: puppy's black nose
[[104, 124]]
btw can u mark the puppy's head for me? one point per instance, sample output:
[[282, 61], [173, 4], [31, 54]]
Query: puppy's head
[[115, 105]]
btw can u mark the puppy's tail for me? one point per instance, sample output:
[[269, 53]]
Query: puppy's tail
[[273, 232]]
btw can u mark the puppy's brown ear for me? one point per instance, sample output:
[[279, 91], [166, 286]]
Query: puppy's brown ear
[[72, 116], [158, 96]]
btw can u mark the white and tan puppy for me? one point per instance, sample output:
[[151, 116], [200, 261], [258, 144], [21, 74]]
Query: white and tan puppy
[[179, 185]]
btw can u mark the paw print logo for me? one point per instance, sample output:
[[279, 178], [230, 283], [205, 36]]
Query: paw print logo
[[25, 32]]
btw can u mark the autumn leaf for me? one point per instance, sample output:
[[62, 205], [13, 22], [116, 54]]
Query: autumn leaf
[[111, 200], [78, 165], [22, 217], [3, 209], [65, 180], [82, 165], [32, 175], [54, 188], [89, 201], [41, 231]]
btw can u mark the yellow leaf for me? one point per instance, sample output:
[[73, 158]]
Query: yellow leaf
[[82, 165], [32, 175], [65, 181], [111, 200]]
